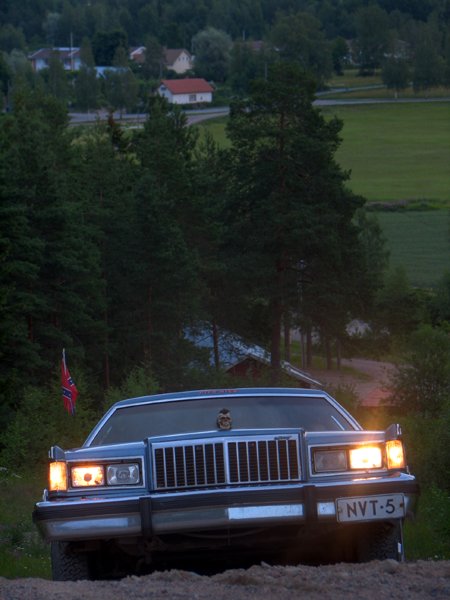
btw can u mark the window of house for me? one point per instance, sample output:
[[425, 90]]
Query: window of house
[[192, 97]]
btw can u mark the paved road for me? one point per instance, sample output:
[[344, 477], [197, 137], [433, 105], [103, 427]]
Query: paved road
[[195, 116]]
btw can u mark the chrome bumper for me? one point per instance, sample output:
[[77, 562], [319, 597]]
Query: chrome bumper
[[103, 518]]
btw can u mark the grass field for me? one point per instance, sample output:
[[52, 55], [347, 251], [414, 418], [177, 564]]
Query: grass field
[[420, 242], [397, 152], [394, 151]]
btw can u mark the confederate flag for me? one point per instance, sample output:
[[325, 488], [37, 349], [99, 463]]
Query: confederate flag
[[69, 389]]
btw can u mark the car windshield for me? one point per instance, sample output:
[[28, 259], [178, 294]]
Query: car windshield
[[135, 423]]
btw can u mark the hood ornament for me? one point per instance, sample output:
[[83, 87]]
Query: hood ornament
[[224, 420]]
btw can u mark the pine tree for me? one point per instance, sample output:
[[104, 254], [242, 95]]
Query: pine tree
[[289, 213]]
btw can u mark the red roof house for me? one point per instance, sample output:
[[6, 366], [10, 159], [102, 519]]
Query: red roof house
[[186, 91]]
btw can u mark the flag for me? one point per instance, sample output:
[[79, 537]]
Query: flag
[[69, 389]]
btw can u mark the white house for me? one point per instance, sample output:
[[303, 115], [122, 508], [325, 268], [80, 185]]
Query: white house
[[70, 58], [186, 91], [178, 60]]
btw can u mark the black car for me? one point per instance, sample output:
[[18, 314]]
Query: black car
[[225, 477]]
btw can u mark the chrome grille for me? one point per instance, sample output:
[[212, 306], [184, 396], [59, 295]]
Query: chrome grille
[[212, 463]]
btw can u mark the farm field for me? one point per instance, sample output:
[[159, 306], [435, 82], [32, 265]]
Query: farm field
[[398, 152], [393, 151], [419, 241]]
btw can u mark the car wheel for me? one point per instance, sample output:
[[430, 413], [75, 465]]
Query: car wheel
[[382, 541], [68, 565]]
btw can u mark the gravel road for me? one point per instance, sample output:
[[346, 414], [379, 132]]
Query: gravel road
[[385, 580]]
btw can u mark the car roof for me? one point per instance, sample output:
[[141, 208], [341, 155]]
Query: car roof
[[222, 393]]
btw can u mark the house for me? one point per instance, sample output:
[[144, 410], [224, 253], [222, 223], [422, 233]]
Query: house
[[186, 91], [137, 54], [240, 359], [178, 60], [175, 59], [70, 58]]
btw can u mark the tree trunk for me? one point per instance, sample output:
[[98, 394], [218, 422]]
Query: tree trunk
[[338, 355], [106, 357], [309, 352], [287, 337], [276, 317], [215, 336], [148, 342], [329, 358]]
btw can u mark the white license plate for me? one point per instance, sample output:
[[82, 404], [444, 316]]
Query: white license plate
[[370, 508]]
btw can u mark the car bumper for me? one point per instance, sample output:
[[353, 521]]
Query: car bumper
[[155, 514]]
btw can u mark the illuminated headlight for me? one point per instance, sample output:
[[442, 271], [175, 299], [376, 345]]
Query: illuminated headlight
[[88, 476], [366, 457], [122, 474], [330, 461]]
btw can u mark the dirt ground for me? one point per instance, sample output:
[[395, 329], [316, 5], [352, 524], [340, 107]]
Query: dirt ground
[[386, 580], [367, 378]]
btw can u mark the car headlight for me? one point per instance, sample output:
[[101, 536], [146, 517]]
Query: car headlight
[[366, 457], [88, 476], [330, 461], [122, 474], [360, 458]]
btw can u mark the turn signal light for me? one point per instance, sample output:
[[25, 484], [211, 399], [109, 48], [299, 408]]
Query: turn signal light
[[57, 476], [395, 454]]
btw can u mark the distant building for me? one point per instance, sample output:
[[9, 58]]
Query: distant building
[[70, 58], [186, 91], [137, 54], [174, 59], [240, 359], [178, 60]]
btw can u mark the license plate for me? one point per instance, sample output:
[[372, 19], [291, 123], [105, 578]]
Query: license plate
[[370, 508]]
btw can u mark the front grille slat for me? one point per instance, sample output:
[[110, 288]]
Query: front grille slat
[[244, 461]]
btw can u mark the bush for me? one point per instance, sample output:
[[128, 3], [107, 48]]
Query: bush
[[422, 383], [41, 422]]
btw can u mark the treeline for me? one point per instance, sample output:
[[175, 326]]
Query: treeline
[[409, 41], [175, 22]]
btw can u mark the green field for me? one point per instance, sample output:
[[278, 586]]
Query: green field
[[399, 152], [420, 242], [396, 151]]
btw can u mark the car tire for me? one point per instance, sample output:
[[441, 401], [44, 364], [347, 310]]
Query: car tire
[[68, 565], [382, 541]]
